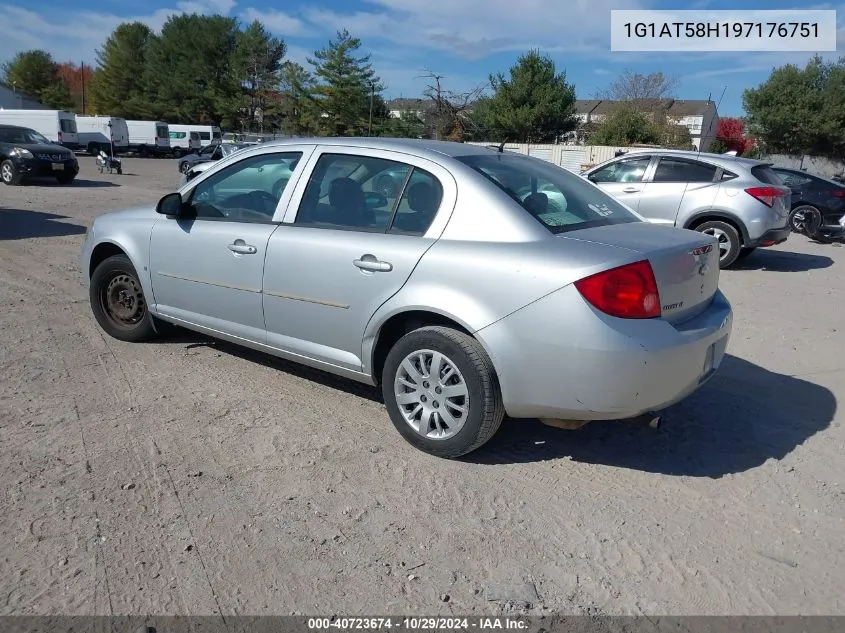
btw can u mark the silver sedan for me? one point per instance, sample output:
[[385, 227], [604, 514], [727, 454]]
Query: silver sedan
[[488, 283]]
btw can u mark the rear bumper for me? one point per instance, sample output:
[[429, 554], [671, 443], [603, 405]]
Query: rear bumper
[[771, 237], [559, 358]]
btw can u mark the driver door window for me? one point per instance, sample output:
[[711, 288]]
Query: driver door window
[[246, 191], [630, 170]]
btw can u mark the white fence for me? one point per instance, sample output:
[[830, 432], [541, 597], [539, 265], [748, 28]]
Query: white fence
[[573, 157]]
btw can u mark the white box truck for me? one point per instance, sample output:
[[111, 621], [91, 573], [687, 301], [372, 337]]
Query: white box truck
[[96, 133], [57, 126], [209, 134], [149, 138]]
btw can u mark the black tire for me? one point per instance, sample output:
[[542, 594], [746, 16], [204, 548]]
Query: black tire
[[143, 152], [386, 186], [730, 243], [116, 275], [66, 179], [797, 215], [745, 252], [9, 173], [178, 153], [184, 167], [485, 411]]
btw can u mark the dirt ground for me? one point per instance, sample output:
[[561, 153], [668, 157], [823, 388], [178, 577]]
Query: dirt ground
[[190, 477]]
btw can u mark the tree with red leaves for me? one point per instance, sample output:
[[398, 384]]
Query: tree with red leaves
[[731, 134], [78, 80]]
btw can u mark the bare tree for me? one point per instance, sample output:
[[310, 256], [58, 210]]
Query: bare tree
[[451, 110], [631, 86]]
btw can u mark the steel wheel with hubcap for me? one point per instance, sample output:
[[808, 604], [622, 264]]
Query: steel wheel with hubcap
[[728, 239], [441, 391], [117, 300]]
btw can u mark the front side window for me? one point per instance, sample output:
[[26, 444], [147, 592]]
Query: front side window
[[344, 192], [246, 191], [629, 170], [677, 170], [558, 199]]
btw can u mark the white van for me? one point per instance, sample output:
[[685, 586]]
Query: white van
[[148, 138], [183, 141], [209, 134], [97, 132], [57, 126]]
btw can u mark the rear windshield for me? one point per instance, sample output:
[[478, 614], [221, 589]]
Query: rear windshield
[[765, 173], [161, 131], [68, 125], [558, 199]]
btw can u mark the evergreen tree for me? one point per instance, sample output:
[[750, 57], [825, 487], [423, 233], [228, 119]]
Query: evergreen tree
[[118, 85]]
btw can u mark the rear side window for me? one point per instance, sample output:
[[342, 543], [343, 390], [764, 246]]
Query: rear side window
[[418, 205], [558, 199], [676, 170], [67, 125], [765, 173]]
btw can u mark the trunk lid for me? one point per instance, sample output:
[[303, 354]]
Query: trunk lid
[[685, 263]]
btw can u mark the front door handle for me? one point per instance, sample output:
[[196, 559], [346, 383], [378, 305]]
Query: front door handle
[[242, 248], [370, 263], [631, 189]]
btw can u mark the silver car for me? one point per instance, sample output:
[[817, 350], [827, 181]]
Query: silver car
[[739, 201], [489, 284]]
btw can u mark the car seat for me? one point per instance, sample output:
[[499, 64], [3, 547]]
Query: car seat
[[423, 202], [348, 207]]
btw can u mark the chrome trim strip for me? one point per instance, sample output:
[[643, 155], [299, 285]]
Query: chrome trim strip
[[330, 304], [209, 283]]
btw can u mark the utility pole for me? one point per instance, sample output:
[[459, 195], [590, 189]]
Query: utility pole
[[82, 67], [372, 96]]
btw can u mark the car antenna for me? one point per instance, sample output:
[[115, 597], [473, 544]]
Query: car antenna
[[502, 147], [709, 127]]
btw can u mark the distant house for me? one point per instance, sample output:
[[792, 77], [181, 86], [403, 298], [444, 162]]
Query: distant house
[[418, 107], [699, 117], [11, 99]]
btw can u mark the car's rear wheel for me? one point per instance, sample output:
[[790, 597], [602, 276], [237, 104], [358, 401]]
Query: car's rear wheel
[[9, 174], [184, 167], [441, 391], [118, 302], [178, 153], [730, 243]]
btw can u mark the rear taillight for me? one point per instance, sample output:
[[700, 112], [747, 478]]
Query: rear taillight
[[838, 193], [628, 292], [766, 195]]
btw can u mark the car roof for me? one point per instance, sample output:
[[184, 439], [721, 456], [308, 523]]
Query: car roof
[[727, 158], [15, 127], [420, 147]]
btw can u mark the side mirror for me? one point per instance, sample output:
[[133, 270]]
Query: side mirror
[[171, 204]]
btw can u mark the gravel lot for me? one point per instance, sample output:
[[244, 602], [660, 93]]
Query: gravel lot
[[190, 477]]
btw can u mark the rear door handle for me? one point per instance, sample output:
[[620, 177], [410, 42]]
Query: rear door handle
[[242, 248], [631, 189], [370, 263]]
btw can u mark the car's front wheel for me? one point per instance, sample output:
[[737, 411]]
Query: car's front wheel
[[728, 238], [118, 302], [184, 167], [9, 174], [441, 391]]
